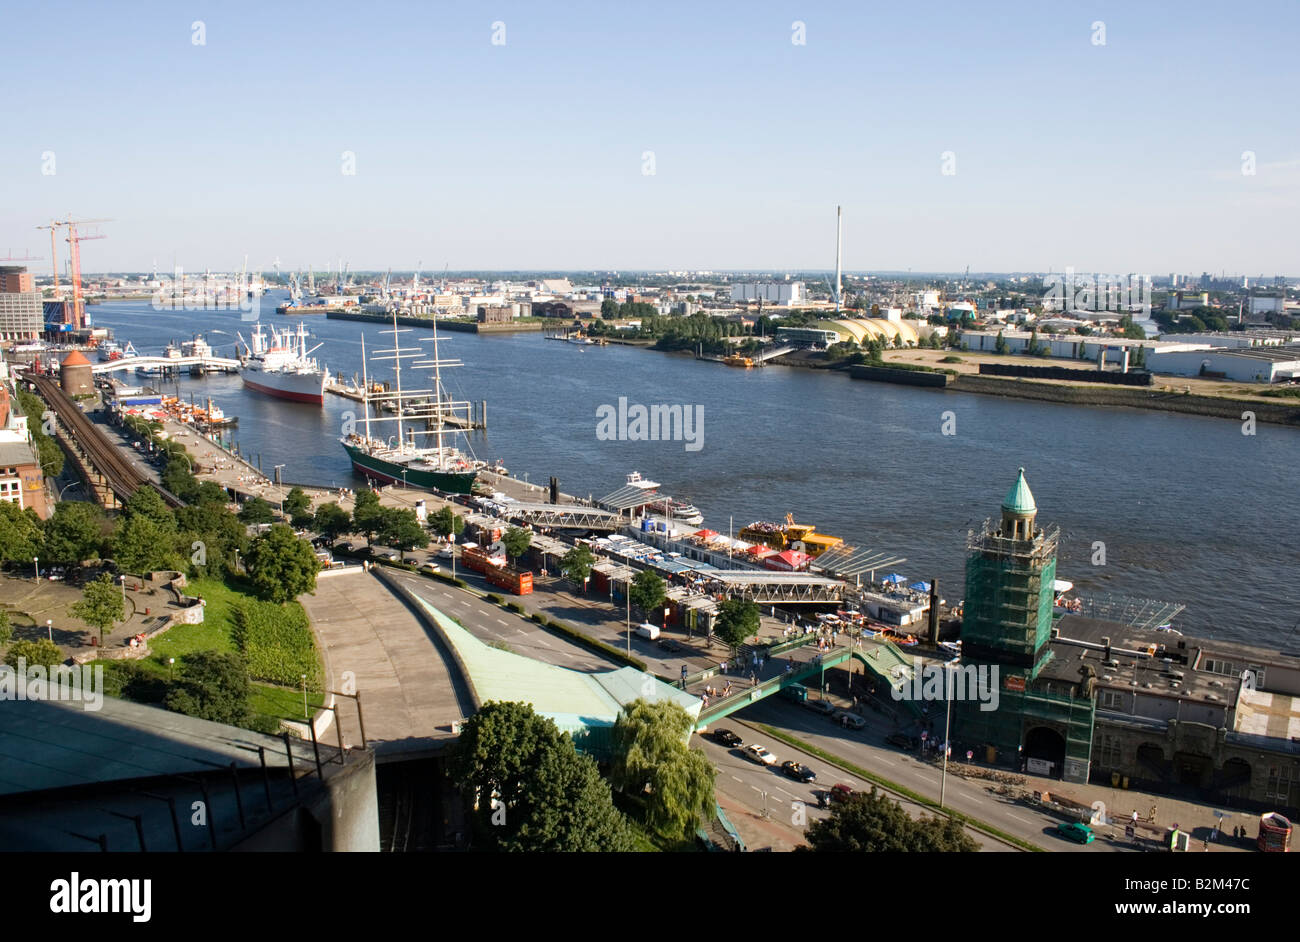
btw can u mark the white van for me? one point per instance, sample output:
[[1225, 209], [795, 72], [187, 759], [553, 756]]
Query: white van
[[647, 630]]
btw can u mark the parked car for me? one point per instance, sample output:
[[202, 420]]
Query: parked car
[[671, 646], [445, 552], [1075, 831], [760, 755], [344, 547], [725, 737], [430, 569], [903, 741], [825, 707], [391, 557], [800, 773], [850, 720]]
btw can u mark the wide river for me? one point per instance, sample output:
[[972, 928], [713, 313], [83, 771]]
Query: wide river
[[1189, 509]]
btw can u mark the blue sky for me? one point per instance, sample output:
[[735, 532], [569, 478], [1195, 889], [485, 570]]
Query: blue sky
[[1118, 157]]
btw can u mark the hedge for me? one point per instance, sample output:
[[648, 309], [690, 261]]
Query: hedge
[[600, 647], [277, 642]]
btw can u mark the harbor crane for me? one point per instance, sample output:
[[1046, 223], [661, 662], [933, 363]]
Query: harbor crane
[[75, 317]]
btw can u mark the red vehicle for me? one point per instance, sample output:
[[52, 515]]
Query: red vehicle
[[1274, 833], [520, 583]]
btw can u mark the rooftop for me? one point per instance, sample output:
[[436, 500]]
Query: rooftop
[[1019, 499]]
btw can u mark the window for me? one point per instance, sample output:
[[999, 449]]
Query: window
[[1216, 665], [1112, 699], [1109, 754], [1279, 784]]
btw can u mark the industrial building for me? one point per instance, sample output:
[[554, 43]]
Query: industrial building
[[1246, 365], [788, 293], [22, 315]]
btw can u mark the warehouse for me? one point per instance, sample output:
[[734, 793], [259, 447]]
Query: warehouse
[[1253, 365]]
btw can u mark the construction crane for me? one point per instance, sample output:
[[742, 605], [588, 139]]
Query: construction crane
[[20, 258], [74, 241]]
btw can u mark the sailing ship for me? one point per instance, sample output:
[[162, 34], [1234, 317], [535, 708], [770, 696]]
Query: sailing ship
[[397, 458]]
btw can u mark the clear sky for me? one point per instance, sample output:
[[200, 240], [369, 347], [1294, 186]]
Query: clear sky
[[1122, 157]]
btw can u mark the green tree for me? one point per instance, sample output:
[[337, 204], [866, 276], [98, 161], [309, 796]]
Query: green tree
[[367, 514], [647, 591], [281, 565], [100, 605], [873, 823], [6, 629], [148, 503], [220, 533], [141, 544], [257, 511], [446, 522], [48, 451], [22, 533], [516, 541], [1132, 331], [43, 651], [401, 529], [332, 521], [213, 686], [528, 789], [74, 532], [736, 621], [296, 502], [576, 564], [653, 762], [1001, 345], [609, 309]]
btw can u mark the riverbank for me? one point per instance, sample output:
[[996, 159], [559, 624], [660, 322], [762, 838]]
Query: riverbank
[[467, 327]]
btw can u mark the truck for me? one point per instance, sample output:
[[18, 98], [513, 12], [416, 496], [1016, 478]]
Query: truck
[[495, 571]]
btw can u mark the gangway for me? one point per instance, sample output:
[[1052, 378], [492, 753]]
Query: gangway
[[209, 363]]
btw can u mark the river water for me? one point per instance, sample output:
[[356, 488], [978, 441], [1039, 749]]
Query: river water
[[1188, 508]]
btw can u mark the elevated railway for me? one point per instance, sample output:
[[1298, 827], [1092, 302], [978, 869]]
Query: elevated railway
[[119, 476]]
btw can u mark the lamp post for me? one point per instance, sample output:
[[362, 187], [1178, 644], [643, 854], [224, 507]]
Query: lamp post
[[304, 696], [171, 668], [36, 569], [121, 580], [49, 629], [628, 592], [403, 479], [947, 723]]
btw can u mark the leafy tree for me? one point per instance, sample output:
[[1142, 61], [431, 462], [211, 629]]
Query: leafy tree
[[141, 544], [516, 541], [213, 686], [736, 621], [367, 514], [528, 788], [576, 564], [210, 492], [74, 532], [609, 309], [220, 531], [43, 651], [48, 451], [178, 478], [647, 591], [281, 565], [1132, 331], [1001, 345], [873, 823], [401, 529], [6, 629], [296, 502], [100, 605], [22, 534], [446, 522], [148, 503], [257, 511], [653, 762], [332, 521]]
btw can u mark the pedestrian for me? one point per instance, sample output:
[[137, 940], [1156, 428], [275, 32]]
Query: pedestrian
[[753, 679]]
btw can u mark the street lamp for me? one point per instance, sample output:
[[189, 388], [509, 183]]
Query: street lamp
[[947, 723], [36, 569], [304, 696], [171, 668], [628, 592], [403, 479], [121, 580], [49, 629]]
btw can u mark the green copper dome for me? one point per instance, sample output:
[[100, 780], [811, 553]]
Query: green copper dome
[[1019, 500]]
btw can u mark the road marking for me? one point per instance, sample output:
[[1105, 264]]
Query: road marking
[[499, 621]]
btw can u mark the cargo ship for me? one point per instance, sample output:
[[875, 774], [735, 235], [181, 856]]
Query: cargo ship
[[398, 459], [789, 535], [282, 366]]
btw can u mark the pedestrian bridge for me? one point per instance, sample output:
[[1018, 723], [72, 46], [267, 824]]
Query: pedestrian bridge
[[209, 364], [884, 660], [564, 516]]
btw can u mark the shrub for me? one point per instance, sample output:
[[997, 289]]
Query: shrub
[[494, 598], [515, 607]]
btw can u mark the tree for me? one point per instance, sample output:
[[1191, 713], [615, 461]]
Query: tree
[[653, 762], [141, 544], [100, 605], [873, 823], [516, 541], [446, 522], [6, 629], [281, 565], [609, 309], [296, 502], [401, 529], [647, 591], [576, 564], [148, 503], [257, 511], [220, 533], [1001, 345], [332, 521], [22, 534], [74, 532], [528, 789], [42, 651], [367, 515], [736, 621], [1132, 331], [213, 686]]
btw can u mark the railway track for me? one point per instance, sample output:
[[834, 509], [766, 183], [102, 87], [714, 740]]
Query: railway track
[[121, 476]]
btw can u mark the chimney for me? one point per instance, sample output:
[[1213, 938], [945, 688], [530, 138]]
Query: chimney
[[934, 610]]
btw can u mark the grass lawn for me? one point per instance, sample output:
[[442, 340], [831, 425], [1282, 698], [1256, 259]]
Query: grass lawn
[[282, 702], [212, 635]]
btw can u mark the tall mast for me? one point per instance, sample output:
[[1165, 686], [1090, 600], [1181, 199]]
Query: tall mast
[[365, 389], [397, 369], [437, 396]]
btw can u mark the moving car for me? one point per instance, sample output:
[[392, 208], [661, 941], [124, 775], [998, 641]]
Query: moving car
[[760, 755], [430, 569], [825, 707], [647, 630], [841, 792], [446, 552], [800, 773], [725, 737], [1075, 831]]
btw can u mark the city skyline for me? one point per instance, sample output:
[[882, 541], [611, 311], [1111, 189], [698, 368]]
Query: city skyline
[[519, 139]]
